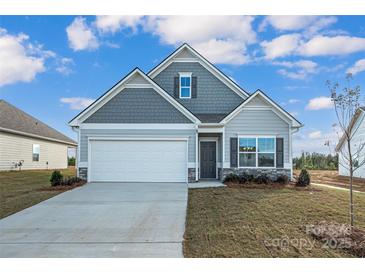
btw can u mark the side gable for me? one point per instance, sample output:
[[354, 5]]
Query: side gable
[[261, 100], [137, 100]]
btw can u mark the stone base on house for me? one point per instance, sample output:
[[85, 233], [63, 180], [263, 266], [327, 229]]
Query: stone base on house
[[83, 173], [191, 175], [271, 173]]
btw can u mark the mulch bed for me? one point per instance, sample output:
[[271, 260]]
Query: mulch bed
[[339, 236], [63, 188]]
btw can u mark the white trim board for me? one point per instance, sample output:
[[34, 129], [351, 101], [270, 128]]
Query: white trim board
[[119, 87], [200, 59], [136, 126]]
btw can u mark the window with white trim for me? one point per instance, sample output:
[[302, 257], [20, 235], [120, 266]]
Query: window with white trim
[[185, 85], [257, 151], [35, 153]]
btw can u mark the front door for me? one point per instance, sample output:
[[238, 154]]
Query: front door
[[208, 159]]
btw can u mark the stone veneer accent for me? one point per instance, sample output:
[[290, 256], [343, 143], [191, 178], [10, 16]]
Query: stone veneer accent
[[272, 172], [191, 175], [83, 173]]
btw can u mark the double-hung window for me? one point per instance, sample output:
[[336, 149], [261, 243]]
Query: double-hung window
[[35, 154], [185, 85], [256, 151]]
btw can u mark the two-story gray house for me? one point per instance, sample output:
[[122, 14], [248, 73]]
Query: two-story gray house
[[183, 121]]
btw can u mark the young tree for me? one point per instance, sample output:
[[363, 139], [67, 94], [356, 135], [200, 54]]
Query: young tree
[[350, 149]]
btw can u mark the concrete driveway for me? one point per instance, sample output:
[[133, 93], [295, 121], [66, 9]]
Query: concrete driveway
[[100, 220]]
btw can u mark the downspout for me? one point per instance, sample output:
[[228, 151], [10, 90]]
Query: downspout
[[196, 153], [293, 131], [77, 130]]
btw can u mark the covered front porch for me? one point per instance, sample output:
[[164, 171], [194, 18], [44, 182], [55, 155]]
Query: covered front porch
[[209, 153]]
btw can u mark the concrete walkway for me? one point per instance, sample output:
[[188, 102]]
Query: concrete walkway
[[206, 184], [336, 187], [101, 220]]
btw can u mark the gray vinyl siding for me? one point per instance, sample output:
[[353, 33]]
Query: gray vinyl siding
[[213, 96], [257, 122], [85, 133], [138, 105]]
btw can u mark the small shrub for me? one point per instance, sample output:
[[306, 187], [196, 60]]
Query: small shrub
[[231, 178], [262, 179], [56, 178], [304, 178], [282, 179], [245, 177]]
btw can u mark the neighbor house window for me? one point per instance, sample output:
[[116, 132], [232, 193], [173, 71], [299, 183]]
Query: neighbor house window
[[185, 85], [256, 152], [35, 153]]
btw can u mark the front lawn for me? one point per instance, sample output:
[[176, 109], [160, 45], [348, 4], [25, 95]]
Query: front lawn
[[22, 189], [269, 222]]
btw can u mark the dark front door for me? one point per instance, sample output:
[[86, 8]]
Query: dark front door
[[208, 159]]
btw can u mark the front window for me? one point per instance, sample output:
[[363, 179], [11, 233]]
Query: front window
[[256, 152], [185, 85], [35, 156]]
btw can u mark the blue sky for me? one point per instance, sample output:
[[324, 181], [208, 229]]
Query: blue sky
[[53, 66]]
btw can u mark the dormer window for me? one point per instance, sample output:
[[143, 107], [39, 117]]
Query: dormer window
[[185, 85]]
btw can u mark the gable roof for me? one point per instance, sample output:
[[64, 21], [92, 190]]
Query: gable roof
[[204, 62], [136, 78], [352, 123], [16, 121], [237, 110]]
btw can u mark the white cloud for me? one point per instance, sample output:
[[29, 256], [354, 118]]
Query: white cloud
[[80, 36], [20, 61], [337, 45], [283, 45], [289, 22], [318, 103], [114, 23], [299, 69], [315, 134], [296, 44], [77, 103], [359, 66], [222, 39], [294, 101], [308, 24], [64, 66]]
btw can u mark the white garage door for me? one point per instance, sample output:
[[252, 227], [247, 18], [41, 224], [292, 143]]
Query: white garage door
[[138, 161]]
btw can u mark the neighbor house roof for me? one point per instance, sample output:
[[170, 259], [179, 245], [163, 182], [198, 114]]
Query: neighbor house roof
[[351, 124], [16, 121]]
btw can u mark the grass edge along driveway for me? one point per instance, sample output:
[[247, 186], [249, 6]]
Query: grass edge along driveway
[[269, 222], [22, 189]]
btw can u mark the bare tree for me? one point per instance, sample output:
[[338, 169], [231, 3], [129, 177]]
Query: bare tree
[[350, 148]]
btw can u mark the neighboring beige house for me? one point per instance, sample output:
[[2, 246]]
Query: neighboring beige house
[[27, 143]]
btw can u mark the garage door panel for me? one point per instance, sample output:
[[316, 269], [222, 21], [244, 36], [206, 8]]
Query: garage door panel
[[138, 161]]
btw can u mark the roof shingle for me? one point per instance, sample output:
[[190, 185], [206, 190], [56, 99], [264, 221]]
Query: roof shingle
[[12, 118]]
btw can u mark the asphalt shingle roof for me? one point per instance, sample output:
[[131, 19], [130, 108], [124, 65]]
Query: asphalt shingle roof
[[13, 118], [210, 118]]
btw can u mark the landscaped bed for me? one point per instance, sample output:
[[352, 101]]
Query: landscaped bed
[[265, 221], [22, 189]]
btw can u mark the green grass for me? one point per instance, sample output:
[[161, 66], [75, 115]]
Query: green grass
[[236, 222], [22, 189]]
